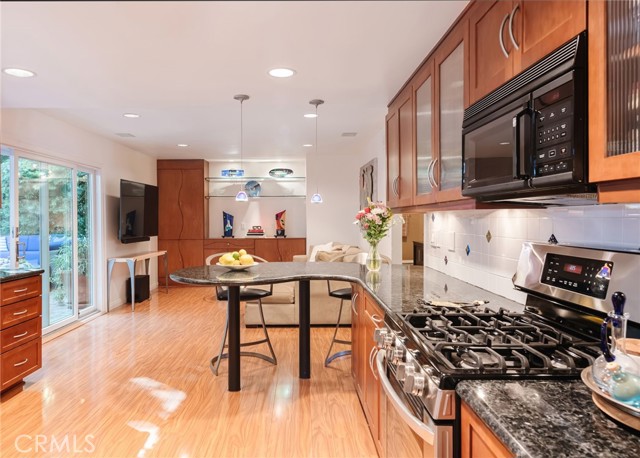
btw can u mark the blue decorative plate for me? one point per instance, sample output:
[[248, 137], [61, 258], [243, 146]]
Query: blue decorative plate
[[253, 188], [280, 173]]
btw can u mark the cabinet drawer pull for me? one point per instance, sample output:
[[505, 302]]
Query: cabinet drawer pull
[[21, 363], [20, 313], [21, 335], [376, 319], [504, 50], [20, 290], [511, 16], [354, 298]]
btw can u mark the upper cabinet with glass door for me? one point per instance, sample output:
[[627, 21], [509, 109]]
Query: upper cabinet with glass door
[[614, 100], [507, 37]]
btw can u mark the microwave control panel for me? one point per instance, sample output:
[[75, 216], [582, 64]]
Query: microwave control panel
[[581, 275], [554, 128]]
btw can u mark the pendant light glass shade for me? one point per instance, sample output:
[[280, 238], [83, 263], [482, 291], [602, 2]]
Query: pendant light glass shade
[[316, 198], [242, 195]]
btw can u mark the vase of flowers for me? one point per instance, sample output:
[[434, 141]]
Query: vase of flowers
[[374, 221]]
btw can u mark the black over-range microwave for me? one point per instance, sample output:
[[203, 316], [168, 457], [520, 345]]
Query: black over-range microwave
[[527, 140]]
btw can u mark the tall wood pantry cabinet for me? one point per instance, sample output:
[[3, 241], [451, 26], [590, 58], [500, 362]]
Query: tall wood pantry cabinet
[[183, 214]]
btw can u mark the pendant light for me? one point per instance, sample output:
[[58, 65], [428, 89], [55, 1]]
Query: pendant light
[[242, 194], [316, 198]]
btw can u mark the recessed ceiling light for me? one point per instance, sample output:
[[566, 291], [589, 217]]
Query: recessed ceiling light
[[307, 145], [19, 72], [310, 115], [504, 143], [182, 145], [282, 72], [131, 115]]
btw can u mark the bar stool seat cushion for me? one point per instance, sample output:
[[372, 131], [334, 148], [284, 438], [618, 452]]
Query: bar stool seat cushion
[[342, 293]]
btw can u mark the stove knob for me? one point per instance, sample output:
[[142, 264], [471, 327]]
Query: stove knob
[[379, 335], [388, 340], [398, 355], [414, 384], [403, 370]]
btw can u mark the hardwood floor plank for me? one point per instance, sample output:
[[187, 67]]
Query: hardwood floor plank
[[139, 385]]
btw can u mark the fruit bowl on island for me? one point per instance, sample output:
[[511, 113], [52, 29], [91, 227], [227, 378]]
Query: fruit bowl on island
[[236, 267]]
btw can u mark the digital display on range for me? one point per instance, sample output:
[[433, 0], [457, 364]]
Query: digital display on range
[[585, 276], [573, 268]]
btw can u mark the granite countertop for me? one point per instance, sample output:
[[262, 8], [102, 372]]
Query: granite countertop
[[16, 274], [540, 419], [396, 287]]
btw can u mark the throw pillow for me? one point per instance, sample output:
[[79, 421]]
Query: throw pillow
[[329, 256], [323, 247], [352, 254]]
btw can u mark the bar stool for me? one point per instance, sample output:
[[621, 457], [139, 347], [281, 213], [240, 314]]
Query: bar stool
[[246, 294], [342, 294]]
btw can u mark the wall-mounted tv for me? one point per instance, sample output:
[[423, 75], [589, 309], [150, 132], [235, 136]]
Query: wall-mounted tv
[[138, 212]]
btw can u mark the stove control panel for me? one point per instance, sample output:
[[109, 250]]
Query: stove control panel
[[581, 275]]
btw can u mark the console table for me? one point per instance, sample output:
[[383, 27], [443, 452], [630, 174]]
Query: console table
[[131, 263]]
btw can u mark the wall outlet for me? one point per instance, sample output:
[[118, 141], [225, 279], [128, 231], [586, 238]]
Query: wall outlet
[[451, 241]]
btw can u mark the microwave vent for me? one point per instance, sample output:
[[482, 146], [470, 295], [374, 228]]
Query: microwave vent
[[539, 74]]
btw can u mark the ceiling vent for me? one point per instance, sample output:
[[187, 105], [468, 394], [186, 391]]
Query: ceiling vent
[[125, 135], [349, 134]]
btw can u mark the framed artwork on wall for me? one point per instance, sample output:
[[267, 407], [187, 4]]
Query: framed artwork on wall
[[368, 182]]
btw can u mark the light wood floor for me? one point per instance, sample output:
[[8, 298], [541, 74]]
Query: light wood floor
[[139, 385]]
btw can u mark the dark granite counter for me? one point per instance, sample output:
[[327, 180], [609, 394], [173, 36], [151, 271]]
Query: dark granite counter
[[541, 419], [396, 287], [16, 274]]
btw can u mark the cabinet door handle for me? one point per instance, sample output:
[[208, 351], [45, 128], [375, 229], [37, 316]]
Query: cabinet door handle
[[21, 335], [20, 290], [376, 319], [433, 173], [353, 303], [20, 313], [511, 16], [504, 50], [21, 363], [372, 356], [395, 186]]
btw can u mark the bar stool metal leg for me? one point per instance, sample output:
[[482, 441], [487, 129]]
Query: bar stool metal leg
[[334, 340], [215, 361]]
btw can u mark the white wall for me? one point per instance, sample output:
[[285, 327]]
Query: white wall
[[491, 264], [36, 132]]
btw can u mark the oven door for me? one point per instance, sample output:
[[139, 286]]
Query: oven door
[[405, 434], [497, 150]]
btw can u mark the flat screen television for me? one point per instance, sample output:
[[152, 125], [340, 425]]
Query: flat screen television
[[138, 212]]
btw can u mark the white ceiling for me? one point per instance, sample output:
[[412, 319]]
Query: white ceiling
[[179, 64]]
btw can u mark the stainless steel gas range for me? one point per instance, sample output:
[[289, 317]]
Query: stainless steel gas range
[[425, 353]]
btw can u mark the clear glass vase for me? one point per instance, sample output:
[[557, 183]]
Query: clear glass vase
[[374, 260]]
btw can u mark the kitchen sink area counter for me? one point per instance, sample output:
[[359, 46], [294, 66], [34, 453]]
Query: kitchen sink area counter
[[537, 419]]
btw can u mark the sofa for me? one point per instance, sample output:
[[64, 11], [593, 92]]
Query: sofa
[[282, 308], [31, 248]]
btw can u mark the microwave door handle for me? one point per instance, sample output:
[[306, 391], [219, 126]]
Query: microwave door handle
[[518, 148]]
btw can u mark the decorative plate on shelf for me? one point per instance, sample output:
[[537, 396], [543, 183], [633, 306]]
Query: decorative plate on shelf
[[280, 173], [253, 188], [240, 267]]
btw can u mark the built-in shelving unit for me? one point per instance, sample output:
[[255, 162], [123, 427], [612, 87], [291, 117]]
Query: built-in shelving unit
[[271, 187]]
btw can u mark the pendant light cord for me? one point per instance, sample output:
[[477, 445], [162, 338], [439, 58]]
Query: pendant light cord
[[317, 143]]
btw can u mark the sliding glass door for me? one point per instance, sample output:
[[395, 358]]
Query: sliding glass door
[[48, 218]]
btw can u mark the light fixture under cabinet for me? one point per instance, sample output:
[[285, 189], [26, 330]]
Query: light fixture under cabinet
[[19, 72]]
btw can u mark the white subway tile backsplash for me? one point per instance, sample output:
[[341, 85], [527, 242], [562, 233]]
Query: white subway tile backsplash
[[490, 265]]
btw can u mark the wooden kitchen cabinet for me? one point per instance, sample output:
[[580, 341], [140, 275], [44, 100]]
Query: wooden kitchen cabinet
[[20, 330], [400, 155], [477, 440], [358, 357], [614, 145], [508, 37], [183, 216], [373, 318], [424, 94]]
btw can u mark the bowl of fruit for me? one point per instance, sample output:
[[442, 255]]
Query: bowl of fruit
[[236, 260]]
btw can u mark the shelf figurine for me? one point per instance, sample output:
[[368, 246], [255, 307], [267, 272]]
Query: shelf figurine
[[227, 223], [280, 223]]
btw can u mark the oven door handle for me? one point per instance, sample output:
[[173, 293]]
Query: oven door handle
[[518, 150], [409, 418]]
